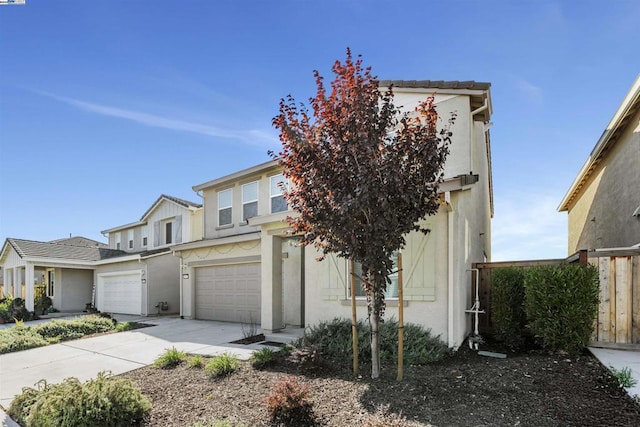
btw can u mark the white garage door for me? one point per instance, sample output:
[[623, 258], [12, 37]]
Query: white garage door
[[120, 293], [230, 293]]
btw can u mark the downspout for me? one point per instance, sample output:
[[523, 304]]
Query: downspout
[[450, 305]]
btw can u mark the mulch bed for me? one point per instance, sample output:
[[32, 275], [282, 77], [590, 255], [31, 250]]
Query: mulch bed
[[532, 389]]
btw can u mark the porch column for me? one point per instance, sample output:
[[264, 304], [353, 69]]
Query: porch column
[[17, 291], [271, 272], [6, 282], [28, 282]]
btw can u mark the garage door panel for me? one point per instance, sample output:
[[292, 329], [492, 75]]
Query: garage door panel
[[228, 293], [120, 293]]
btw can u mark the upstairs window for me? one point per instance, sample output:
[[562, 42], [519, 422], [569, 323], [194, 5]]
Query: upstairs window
[[278, 183], [168, 232], [145, 237], [249, 200], [392, 288], [118, 241], [224, 207], [130, 238]]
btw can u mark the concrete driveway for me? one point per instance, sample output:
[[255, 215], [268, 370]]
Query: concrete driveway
[[118, 353]]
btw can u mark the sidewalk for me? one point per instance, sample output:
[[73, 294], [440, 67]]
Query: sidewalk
[[620, 359]]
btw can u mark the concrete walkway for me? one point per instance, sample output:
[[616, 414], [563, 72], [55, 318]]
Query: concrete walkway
[[620, 359], [118, 353]]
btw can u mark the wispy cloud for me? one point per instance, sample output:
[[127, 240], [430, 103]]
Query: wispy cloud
[[250, 136], [529, 90], [528, 226]]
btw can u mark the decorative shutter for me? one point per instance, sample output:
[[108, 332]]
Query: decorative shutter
[[178, 229], [334, 284], [156, 234]]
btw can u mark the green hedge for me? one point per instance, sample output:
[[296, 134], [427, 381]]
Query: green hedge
[[557, 304], [562, 304], [507, 305]]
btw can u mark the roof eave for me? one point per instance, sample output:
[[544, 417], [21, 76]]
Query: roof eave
[[271, 164], [631, 100]]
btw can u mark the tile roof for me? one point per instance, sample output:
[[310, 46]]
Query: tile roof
[[80, 241], [33, 249], [436, 84]]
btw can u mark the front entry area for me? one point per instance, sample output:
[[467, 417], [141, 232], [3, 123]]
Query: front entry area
[[229, 293]]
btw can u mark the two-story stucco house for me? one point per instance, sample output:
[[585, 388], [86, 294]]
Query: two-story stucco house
[[603, 202], [135, 273], [146, 279], [247, 268]]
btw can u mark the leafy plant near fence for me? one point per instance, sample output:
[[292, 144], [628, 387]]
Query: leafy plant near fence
[[101, 402], [557, 304], [334, 341], [508, 305], [561, 305]]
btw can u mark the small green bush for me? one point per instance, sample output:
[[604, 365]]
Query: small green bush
[[195, 361], [289, 404], [263, 358], [124, 326], [171, 358], [222, 365], [508, 306], [102, 402], [18, 338], [335, 341], [561, 305]]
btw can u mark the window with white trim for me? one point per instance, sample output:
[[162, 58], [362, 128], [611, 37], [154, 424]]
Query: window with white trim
[[130, 238], [249, 200], [278, 183], [225, 199], [392, 288], [118, 241], [145, 236]]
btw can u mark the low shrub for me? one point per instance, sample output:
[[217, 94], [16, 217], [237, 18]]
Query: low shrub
[[171, 358], [74, 328], [18, 338], [195, 361], [263, 358], [561, 305], [222, 365], [124, 326], [334, 339], [102, 402], [508, 306], [289, 404], [42, 304]]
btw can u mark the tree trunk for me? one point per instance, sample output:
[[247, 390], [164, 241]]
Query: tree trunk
[[374, 320]]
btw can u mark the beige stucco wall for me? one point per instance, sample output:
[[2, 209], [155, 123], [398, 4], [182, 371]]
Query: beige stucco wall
[[210, 201], [601, 216], [163, 283]]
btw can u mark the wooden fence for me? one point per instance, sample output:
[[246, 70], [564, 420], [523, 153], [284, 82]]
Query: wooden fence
[[618, 320]]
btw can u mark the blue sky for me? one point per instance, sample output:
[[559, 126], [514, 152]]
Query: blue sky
[[104, 105]]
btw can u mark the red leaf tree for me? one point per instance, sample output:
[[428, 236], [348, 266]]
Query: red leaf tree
[[362, 174]]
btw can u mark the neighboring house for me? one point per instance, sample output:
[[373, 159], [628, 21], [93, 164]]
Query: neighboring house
[[65, 269], [139, 282], [603, 203], [134, 274], [248, 269]]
